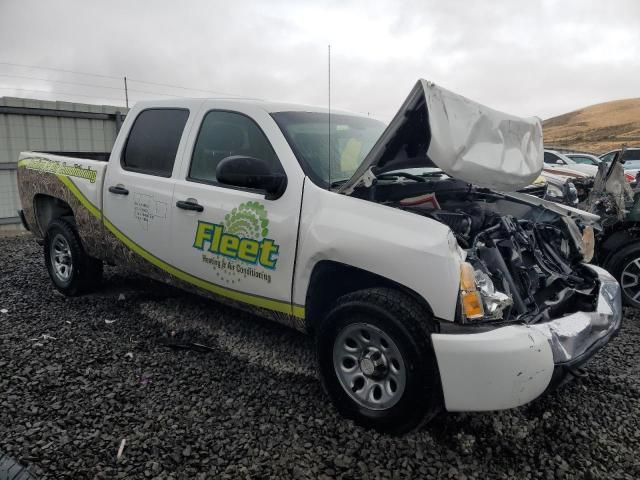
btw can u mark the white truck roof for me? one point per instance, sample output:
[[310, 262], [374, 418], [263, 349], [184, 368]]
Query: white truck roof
[[239, 103]]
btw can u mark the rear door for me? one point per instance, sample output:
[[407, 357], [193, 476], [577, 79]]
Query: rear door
[[138, 187], [236, 243]]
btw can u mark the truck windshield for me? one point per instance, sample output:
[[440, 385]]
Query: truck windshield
[[329, 153]]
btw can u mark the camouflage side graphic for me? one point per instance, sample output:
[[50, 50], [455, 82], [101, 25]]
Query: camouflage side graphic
[[58, 168]]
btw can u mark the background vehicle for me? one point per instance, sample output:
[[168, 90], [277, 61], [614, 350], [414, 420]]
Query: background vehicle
[[557, 162], [584, 158], [610, 196], [422, 291], [630, 161], [631, 153]]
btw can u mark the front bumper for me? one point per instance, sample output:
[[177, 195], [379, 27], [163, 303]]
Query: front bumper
[[510, 366]]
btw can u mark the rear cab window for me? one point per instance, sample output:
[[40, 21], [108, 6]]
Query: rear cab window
[[153, 141]]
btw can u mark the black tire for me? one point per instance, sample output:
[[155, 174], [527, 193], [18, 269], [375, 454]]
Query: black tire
[[85, 272], [12, 470], [616, 266], [409, 326]]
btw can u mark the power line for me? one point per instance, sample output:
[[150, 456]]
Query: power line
[[59, 70], [53, 92], [58, 81], [75, 72], [87, 85], [183, 88]]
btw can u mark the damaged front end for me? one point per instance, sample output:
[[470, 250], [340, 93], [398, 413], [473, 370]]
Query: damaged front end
[[531, 308], [446, 157], [524, 259], [523, 262]]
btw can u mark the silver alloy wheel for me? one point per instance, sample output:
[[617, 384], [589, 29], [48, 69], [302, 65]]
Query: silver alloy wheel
[[369, 366], [630, 279], [61, 259]]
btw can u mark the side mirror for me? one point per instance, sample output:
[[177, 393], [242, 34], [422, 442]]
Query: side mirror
[[559, 161], [251, 172]]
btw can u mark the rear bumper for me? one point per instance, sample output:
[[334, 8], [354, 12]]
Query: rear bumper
[[510, 366]]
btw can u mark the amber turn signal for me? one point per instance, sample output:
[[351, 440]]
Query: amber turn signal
[[469, 296]]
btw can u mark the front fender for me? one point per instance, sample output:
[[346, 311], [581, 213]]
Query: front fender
[[416, 252]]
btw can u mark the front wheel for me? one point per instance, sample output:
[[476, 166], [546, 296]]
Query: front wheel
[[71, 270], [376, 361]]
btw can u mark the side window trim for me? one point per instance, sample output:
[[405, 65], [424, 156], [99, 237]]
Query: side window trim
[[154, 173], [188, 176]]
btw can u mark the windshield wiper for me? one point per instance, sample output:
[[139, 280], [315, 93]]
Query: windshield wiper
[[337, 183]]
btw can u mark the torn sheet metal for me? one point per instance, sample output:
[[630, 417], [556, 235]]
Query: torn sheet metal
[[610, 191], [571, 336]]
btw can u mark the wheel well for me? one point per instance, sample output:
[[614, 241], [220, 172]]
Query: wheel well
[[331, 280], [625, 234], [48, 208]]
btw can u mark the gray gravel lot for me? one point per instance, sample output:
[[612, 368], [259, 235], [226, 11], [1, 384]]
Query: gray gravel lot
[[252, 407]]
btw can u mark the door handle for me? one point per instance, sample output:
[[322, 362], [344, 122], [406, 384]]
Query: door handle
[[190, 204], [119, 190]]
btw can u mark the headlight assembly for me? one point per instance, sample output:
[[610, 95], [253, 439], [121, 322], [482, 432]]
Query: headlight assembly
[[588, 243], [494, 302], [478, 297], [585, 241]]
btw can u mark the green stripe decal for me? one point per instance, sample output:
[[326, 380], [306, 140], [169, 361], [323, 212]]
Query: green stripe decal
[[256, 300]]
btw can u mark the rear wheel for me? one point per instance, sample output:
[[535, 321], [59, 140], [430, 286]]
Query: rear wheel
[[71, 270], [625, 267], [376, 361]]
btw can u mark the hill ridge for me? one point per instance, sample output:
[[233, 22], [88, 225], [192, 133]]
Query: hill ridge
[[597, 128]]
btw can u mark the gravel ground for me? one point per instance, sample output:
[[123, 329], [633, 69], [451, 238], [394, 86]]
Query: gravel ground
[[78, 376]]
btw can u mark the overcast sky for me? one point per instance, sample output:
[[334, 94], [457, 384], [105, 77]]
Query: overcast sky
[[528, 58]]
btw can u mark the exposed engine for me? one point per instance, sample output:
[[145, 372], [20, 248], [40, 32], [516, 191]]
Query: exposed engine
[[526, 258]]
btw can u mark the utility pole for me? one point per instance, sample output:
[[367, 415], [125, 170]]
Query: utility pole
[[126, 91]]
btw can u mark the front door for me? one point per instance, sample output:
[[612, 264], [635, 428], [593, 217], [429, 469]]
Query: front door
[[233, 241]]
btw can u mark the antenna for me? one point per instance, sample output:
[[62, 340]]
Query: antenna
[[126, 92], [329, 101]]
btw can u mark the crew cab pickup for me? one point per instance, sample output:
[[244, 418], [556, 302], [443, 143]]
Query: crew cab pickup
[[425, 284]]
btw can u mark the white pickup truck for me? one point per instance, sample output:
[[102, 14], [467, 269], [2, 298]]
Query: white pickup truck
[[425, 287]]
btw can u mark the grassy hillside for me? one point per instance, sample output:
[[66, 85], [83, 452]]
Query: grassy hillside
[[598, 128]]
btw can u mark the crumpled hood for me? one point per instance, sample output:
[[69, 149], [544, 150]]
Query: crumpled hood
[[471, 142]]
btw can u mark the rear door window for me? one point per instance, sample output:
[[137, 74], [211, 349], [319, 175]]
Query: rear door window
[[153, 141]]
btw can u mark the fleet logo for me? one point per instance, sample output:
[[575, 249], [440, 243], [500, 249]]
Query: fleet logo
[[242, 236]]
